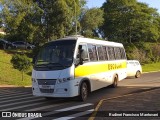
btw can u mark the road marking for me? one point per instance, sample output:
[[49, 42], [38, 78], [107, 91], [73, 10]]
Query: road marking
[[19, 99], [15, 96], [5, 105], [96, 109], [75, 107], [12, 108], [9, 91], [12, 94], [58, 111], [93, 115], [44, 107], [75, 115]]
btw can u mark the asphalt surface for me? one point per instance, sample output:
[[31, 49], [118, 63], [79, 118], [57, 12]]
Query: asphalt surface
[[139, 104], [133, 96]]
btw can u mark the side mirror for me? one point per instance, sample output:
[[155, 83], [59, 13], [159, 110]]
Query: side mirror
[[81, 57], [78, 61]]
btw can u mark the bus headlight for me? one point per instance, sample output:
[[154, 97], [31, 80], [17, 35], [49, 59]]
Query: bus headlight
[[61, 80]]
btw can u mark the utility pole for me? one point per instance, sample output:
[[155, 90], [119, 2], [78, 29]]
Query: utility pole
[[75, 16]]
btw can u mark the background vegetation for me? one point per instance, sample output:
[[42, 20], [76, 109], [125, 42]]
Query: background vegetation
[[10, 76], [130, 22]]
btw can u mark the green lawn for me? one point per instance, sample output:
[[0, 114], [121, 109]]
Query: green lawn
[[9, 75], [151, 67]]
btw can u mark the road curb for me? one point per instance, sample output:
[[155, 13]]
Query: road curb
[[151, 72], [13, 86]]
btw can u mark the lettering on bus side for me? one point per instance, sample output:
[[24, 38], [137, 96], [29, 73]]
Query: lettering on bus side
[[114, 66]]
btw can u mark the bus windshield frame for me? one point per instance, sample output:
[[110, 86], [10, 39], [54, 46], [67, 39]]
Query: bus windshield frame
[[56, 55]]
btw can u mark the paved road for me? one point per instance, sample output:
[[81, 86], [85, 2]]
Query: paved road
[[21, 99]]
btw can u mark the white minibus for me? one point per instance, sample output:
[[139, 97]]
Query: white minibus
[[76, 66]]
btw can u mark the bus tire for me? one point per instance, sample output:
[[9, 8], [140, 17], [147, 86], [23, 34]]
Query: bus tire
[[83, 91], [138, 74], [115, 82]]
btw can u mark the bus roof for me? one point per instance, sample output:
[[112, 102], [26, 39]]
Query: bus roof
[[90, 40]]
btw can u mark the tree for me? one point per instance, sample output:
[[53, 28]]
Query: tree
[[129, 21], [0, 15], [21, 62], [59, 17], [91, 20], [21, 19], [39, 21]]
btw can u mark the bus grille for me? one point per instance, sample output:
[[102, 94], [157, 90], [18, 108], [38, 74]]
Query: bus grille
[[46, 90], [46, 81]]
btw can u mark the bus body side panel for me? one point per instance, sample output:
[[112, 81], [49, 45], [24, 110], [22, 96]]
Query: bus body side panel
[[101, 74]]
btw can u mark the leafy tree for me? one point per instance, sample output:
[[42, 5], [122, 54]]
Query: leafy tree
[[129, 21], [39, 21], [59, 17], [21, 18], [1, 21], [91, 20], [21, 62]]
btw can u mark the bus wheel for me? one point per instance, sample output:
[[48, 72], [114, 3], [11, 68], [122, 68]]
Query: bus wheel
[[115, 82], [138, 74], [83, 92]]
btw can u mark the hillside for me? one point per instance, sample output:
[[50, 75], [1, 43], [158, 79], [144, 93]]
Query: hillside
[[9, 75]]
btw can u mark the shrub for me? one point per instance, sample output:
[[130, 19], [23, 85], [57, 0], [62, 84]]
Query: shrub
[[21, 62]]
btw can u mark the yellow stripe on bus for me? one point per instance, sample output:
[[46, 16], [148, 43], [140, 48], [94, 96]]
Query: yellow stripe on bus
[[84, 70]]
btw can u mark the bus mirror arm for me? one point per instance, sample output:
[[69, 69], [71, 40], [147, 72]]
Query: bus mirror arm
[[78, 62], [80, 59]]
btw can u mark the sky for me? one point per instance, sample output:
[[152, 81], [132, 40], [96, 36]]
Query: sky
[[151, 3]]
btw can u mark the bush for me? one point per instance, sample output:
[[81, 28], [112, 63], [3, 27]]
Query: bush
[[144, 52], [156, 52], [21, 62]]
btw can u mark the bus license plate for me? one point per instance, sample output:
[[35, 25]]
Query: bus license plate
[[46, 87]]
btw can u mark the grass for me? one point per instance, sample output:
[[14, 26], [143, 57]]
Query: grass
[[9, 75], [151, 67]]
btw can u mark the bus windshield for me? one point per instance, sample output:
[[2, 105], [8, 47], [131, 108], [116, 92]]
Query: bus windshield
[[56, 55]]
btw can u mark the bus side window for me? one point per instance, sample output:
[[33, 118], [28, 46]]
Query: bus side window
[[92, 52], [117, 53], [111, 53], [123, 56], [104, 49], [83, 51], [101, 54]]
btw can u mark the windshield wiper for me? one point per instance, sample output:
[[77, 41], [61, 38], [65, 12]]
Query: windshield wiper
[[49, 64], [41, 65], [55, 63]]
